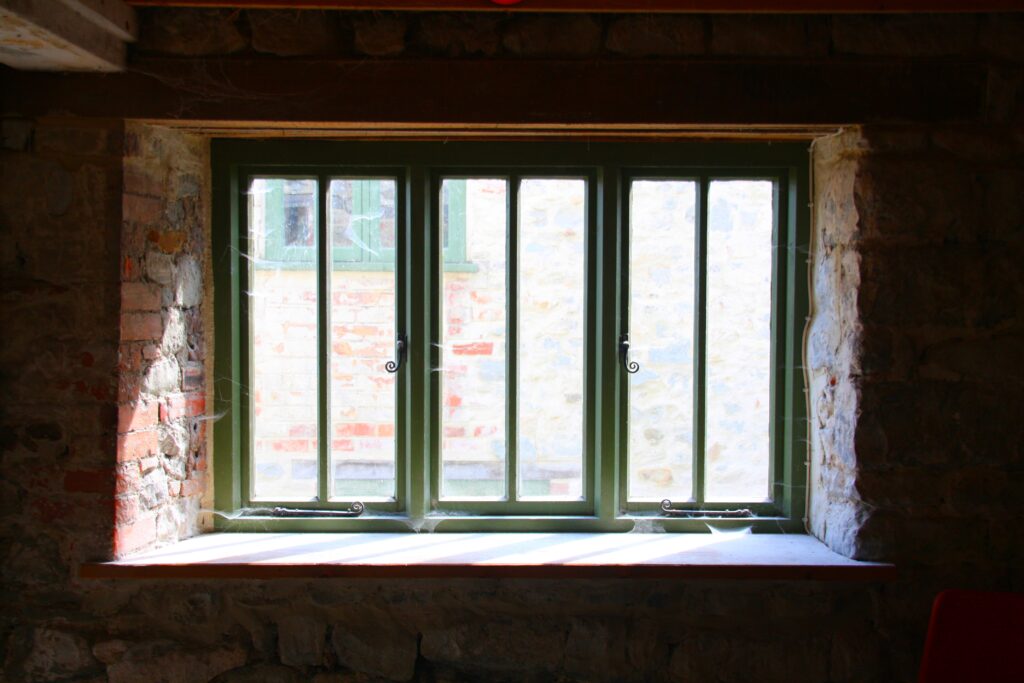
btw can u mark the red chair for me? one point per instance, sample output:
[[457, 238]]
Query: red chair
[[975, 636]]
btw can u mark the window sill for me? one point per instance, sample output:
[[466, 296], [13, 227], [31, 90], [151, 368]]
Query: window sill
[[494, 555]]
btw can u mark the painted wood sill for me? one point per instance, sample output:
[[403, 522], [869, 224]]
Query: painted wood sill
[[493, 555]]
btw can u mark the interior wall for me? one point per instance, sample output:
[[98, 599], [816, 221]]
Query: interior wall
[[915, 385]]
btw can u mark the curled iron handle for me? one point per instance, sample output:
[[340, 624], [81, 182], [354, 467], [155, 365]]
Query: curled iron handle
[[669, 511], [400, 348], [631, 366]]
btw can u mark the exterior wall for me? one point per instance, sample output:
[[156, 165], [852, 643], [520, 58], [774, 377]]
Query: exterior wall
[[915, 389]]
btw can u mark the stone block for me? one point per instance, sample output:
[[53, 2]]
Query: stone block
[[162, 377], [380, 34], [142, 210], [460, 34], [188, 291], [16, 134], [767, 35], [498, 648], [46, 654], [294, 33], [372, 642], [190, 32], [140, 296], [904, 35], [553, 35], [261, 673], [301, 640], [169, 661], [160, 268], [656, 35]]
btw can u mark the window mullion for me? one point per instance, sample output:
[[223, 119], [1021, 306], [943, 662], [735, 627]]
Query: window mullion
[[608, 202], [402, 277], [424, 314], [700, 339], [512, 341], [323, 340]]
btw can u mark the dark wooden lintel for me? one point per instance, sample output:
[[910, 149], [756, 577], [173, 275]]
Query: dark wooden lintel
[[746, 6], [510, 92]]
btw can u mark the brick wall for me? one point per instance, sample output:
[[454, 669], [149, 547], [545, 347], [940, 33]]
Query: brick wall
[[161, 443]]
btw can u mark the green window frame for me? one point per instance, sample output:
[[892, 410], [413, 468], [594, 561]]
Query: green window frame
[[366, 252], [417, 169]]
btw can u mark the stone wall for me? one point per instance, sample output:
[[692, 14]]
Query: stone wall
[[918, 319], [161, 447], [915, 386]]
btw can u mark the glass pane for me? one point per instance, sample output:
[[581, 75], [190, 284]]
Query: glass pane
[[282, 305], [552, 294], [344, 205], [473, 338], [739, 311], [661, 296], [363, 330]]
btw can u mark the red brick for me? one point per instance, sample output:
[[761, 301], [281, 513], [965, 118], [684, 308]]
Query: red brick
[[142, 209], [89, 481], [342, 445], [128, 358], [138, 534], [473, 349], [126, 510], [132, 417], [141, 327], [386, 430], [355, 429], [291, 445], [137, 445], [182, 405], [307, 430], [191, 487], [128, 387], [454, 432], [128, 478], [140, 296]]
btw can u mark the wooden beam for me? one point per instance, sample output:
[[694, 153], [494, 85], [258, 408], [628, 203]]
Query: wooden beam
[[596, 93], [112, 16], [691, 6], [48, 34]]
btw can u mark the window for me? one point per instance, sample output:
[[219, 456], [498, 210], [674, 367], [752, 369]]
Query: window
[[583, 330], [362, 220]]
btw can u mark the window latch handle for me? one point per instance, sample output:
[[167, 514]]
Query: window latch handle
[[401, 347], [669, 511], [630, 366]]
